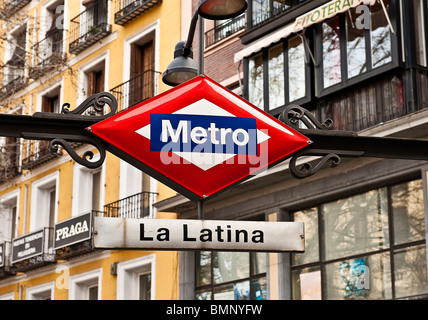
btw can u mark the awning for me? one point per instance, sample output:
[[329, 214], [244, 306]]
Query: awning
[[324, 12]]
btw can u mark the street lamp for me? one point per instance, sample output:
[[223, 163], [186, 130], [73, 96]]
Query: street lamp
[[183, 67]]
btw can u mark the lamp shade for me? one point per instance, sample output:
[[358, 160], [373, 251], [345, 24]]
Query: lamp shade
[[221, 9], [182, 68]]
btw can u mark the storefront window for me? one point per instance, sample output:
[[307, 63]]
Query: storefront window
[[296, 69], [355, 45], [372, 247], [380, 37], [230, 276]]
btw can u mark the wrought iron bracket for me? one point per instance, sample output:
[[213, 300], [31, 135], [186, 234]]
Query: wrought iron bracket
[[329, 146]]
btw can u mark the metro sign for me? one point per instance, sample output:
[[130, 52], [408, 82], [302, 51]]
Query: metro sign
[[198, 138]]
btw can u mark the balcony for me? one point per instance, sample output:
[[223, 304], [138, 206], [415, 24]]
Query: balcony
[[50, 54], [13, 6], [6, 269], [38, 154], [224, 30], [17, 83], [136, 89], [89, 27], [137, 206], [127, 10]]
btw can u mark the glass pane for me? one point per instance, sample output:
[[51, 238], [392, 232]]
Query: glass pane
[[357, 279], [380, 37], [410, 272], [356, 225], [203, 294], [355, 46], [260, 11], [306, 284], [296, 69], [233, 291], [331, 52], [408, 212], [229, 266], [259, 289], [255, 81], [203, 268], [145, 286], [276, 77], [259, 262], [310, 219]]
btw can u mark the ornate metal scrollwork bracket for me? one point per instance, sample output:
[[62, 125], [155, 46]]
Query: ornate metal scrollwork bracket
[[306, 170], [302, 120], [93, 109], [93, 106]]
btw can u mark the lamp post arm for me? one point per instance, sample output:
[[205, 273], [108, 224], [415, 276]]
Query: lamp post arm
[[192, 29]]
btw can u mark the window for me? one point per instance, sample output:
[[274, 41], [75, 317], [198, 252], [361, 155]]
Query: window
[[88, 190], [141, 84], [93, 77], [44, 200], [9, 216], [134, 279], [86, 286], [367, 246], [42, 292], [279, 75], [353, 44], [264, 10], [230, 276]]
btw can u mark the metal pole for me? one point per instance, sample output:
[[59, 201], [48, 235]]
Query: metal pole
[[200, 210]]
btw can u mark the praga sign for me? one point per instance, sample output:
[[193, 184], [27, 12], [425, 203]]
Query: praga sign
[[198, 138]]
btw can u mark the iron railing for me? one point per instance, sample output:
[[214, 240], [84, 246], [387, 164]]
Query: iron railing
[[127, 10], [136, 89], [137, 206], [89, 27], [224, 30], [50, 54], [13, 6]]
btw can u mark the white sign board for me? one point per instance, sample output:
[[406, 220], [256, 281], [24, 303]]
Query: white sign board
[[164, 234]]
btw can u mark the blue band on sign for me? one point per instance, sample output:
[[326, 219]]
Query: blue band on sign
[[203, 134]]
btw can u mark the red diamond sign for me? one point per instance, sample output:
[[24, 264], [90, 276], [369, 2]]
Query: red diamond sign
[[198, 138]]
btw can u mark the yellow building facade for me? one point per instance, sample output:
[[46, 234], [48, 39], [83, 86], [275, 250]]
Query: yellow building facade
[[63, 51]]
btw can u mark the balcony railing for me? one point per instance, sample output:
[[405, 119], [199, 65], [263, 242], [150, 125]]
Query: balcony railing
[[224, 30], [89, 27], [38, 154], [136, 206], [50, 54], [17, 83], [127, 10], [13, 6], [136, 89]]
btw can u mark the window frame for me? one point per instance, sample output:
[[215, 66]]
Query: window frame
[[265, 53], [394, 14], [392, 249]]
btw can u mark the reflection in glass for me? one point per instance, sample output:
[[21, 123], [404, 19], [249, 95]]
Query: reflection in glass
[[306, 284], [356, 224], [259, 262], [380, 37], [259, 289], [233, 291], [229, 266], [255, 85], [410, 272], [408, 212], [331, 52], [310, 219], [345, 279], [203, 268], [356, 46], [276, 77], [296, 69]]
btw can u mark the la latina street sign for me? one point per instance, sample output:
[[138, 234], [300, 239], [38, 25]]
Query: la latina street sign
[[199, 138]]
